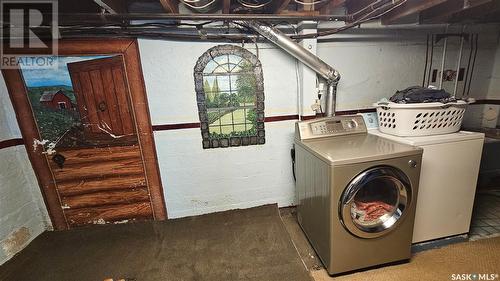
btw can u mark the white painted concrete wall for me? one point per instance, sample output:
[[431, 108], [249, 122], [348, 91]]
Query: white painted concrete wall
[[23, 215], [487, 81], [373, 65], [196, 181], [489, 111]]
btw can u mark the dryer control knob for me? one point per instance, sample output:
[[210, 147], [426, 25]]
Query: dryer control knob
[[412, 163], [351, 124]]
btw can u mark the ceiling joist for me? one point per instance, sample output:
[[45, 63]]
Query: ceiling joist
[[278, 6], [112, 6], [331, 5], [226, 6], [486, 13], [443, 12], [170, 6], [411, 7], [404, 11]]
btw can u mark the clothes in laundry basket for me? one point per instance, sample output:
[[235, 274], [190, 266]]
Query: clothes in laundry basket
[[417, 94]]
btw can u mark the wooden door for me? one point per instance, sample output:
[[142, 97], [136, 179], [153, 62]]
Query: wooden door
[[102, 167], [101, 94]]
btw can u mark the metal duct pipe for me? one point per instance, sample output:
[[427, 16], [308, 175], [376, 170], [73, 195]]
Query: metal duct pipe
[[324, 70]]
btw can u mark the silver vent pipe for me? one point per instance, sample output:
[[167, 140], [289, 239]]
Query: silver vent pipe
[[323, 70]]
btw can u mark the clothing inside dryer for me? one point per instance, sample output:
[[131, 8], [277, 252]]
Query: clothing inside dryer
[[375, 202]]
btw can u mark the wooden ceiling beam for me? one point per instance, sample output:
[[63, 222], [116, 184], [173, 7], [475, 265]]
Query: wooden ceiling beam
[[301, 13], [170, 6], [278, 6], [411, 7], [112, 6], [226, 6], [443, 13], [488, 12], [353, 6], [307, 8], [329, 6]]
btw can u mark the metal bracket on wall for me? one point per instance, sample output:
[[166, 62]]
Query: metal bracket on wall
[[438, 37]]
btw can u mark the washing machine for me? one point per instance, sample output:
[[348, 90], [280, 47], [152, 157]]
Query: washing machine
[[356, 193]]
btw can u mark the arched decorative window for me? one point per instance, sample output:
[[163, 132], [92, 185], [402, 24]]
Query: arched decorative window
[[230, 96]]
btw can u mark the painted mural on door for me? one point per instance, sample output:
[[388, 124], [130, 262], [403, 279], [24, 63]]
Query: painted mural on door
[[87, 131]]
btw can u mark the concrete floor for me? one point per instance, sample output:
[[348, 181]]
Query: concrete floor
[[261, 243], [250, 244], [302, 245], [433, 262]]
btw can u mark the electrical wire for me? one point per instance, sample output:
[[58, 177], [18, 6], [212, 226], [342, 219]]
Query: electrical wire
[[292, 155], [473, 64], [368, 17], [426, 60], [125, 29], [443, 57], [468, 63], [459, 62], [371, 6], [430, 60]]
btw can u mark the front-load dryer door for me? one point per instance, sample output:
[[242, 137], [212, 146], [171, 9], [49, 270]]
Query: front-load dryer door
[[375, 201]]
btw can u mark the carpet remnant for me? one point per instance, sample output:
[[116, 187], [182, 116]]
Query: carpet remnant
[[249, 244], [478, 257]]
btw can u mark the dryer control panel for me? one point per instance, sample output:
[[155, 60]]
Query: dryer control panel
[[329, 127]]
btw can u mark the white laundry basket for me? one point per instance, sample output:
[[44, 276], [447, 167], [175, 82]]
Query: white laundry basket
[[420, 119]]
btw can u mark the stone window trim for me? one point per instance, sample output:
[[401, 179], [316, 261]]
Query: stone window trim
[[202, 62]]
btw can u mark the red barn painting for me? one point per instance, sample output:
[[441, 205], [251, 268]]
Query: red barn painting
[[55, 100]]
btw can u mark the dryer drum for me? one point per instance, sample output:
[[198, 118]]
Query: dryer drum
[[375, 201]]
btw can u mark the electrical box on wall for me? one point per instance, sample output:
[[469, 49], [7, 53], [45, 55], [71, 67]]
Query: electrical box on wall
[[370, 119], [448, 75]]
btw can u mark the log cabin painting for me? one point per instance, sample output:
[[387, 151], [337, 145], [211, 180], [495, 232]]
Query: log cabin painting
[[84, 116]]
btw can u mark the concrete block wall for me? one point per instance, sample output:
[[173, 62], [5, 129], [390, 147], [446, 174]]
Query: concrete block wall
[[23, 215]]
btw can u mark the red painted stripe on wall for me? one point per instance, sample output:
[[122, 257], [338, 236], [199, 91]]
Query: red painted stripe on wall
[[281, 118], [278, 118], [356, 111], [487, 101], [177, 126], [11, 142]]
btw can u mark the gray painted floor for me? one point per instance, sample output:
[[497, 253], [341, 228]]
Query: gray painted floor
[[250, 244]]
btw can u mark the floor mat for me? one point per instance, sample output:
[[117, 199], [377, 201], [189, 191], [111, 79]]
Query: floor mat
[[478, 260], [249, 244]]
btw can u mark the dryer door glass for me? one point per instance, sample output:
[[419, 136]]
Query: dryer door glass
[[374, 201]]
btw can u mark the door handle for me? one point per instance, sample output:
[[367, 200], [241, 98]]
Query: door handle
[[102, 106], [59, 159]]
